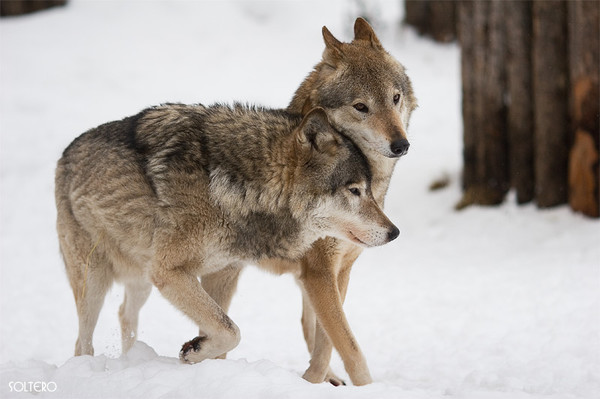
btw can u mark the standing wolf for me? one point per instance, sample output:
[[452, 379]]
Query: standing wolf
[[367, 96], [176, 192]]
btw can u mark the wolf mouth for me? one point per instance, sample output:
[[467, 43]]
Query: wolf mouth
[[358, 240]]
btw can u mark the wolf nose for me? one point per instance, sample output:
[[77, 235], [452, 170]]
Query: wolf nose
[[399, 147], [393, 234]]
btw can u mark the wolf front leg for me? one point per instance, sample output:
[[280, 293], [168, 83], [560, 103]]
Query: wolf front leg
[[320, 356], [324, 295], [218, 333], [325, 279], [321, 351], [221, 286], [322, 347]]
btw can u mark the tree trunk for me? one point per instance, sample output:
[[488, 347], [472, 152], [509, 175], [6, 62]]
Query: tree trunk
[[520, 110], [466, 30], [531, 113], [435, 18], [584, 173], [442, 20], [494, 113], [481, 33], [416, 14], [550, 82]]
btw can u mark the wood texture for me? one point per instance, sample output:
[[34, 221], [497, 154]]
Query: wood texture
[[584, 70], [550, 90]]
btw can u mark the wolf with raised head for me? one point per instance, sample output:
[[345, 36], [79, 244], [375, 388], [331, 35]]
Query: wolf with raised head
[[368, 96], [181, 191]]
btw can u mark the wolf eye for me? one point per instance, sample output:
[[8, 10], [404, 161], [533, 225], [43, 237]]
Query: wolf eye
[[361, 107], [396, 98], [355, 191]]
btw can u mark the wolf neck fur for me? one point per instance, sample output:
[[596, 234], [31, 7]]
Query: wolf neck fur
[[272, 181], [267, 199]]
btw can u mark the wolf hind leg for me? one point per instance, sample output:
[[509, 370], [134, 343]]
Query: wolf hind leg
[[90, 286], [88, 310], [89, 272], [136, 294]]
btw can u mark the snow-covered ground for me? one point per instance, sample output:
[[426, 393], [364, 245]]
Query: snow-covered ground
[[487, 303]]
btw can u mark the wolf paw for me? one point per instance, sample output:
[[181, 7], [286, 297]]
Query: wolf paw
[[336, 382], [189, 352], [334, 379]]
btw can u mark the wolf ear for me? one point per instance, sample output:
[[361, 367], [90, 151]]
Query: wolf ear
[[333, 48], [316, 133], [363, 31]]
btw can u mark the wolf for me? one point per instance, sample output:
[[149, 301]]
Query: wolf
[[178, 192], [367, 96]]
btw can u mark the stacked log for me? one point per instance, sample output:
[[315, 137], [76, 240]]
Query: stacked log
[[530, 79]]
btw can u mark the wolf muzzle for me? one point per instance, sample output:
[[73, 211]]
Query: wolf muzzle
[[399, 147]]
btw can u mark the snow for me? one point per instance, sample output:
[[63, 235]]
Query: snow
[[499, 302]]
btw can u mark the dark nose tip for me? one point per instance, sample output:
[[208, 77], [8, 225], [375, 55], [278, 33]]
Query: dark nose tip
[[399, 147], [393, 234]]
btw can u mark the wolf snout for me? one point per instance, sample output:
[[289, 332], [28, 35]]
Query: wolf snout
[[399, 147], [393, 233]]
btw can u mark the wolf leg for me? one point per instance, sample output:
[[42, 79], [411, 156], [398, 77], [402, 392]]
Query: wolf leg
[[323, 345], [221, 286], [89, 298], [319, 369], [136, 294], [326, 289], [318, 341], [311, 329], [218, 333], [308, 320], [331, 316], [89, 273]]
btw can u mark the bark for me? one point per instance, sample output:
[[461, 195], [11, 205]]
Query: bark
[[442, 20], [466, 29], [520, 101], [584, 70], [435, 18], [550, 82], [481, 33], [416, 14]]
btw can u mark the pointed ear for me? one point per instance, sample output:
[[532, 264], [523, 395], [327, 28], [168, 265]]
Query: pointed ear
[[315, 132], [333, 48], [363, 31]]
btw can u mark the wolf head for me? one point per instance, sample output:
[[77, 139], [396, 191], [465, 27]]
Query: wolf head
[[364, 90], [334, 181]]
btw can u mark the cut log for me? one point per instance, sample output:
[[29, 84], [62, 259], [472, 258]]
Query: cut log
[[520, 100], [584, 70], [550, 83], [481, 35]]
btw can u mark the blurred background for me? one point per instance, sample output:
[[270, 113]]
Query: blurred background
[[529, 90]]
